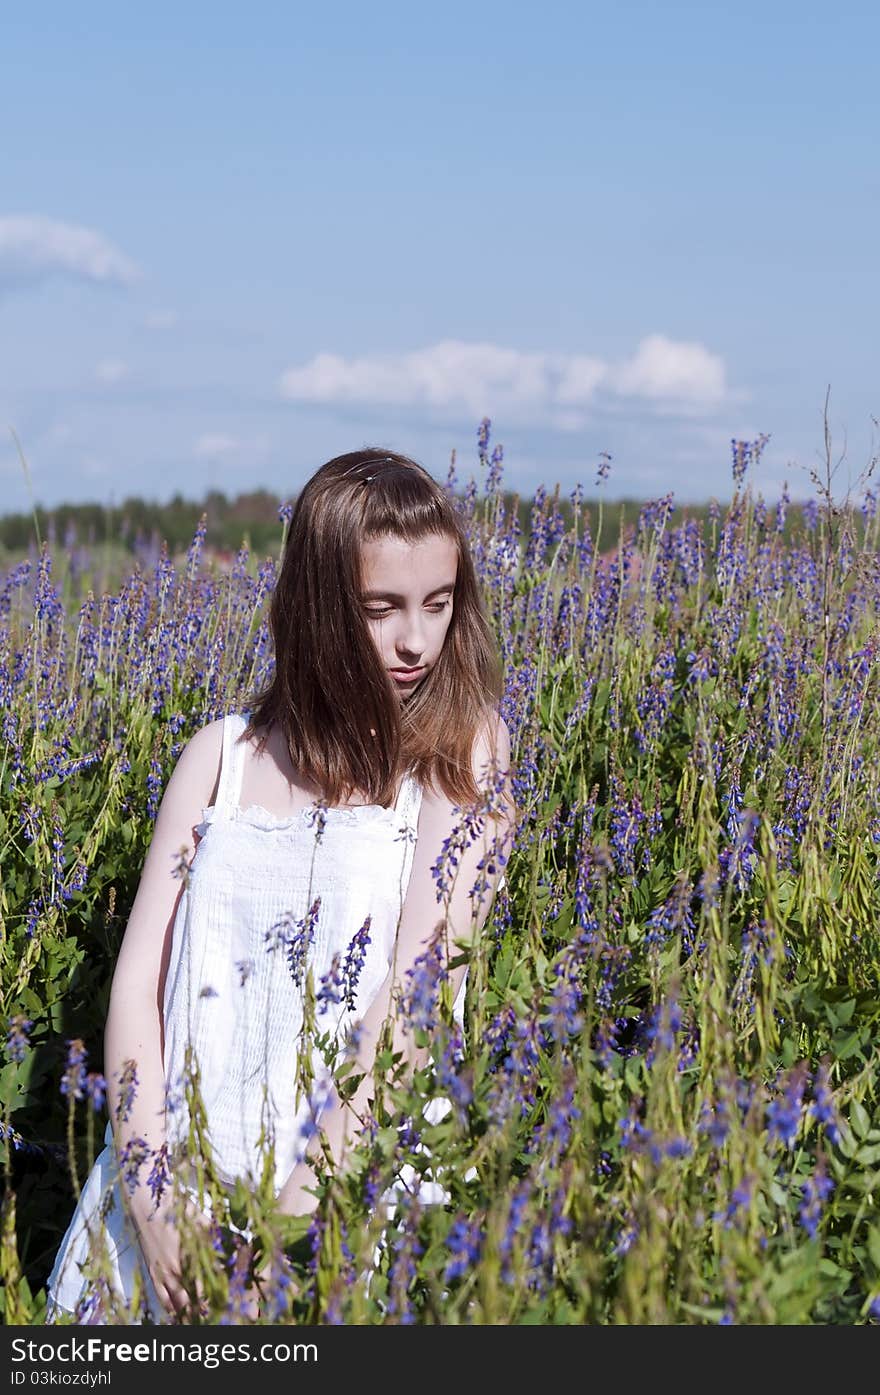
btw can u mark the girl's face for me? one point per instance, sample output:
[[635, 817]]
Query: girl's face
[[407, 599]]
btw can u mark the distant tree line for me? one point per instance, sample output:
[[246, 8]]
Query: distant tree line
[[252, 518]]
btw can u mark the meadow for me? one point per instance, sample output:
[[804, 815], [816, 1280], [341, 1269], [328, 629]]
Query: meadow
[[664, 1108]]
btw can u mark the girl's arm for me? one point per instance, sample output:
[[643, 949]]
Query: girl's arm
[[133, 1034], [422, 913]]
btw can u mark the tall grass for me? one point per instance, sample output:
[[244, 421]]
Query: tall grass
[[664, 1108]]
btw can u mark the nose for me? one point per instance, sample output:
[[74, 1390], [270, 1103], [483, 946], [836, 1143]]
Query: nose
[[411, 639]]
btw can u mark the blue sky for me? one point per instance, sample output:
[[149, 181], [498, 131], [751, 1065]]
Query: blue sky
[[237, 240]]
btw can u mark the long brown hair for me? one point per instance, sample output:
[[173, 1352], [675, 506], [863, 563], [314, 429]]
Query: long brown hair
[[345, 727]]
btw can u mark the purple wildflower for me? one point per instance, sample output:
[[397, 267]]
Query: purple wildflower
[[822, 1106], [77, 882], [636, 1137], [330, 989], [552, 1138], [355, 957], [406, 1250], [316, 817], [240, 1274], [128, 1085], [565, 1021], [551, 1221], [296, 938], [453, 1076], [96, 1089], [625, 826], [746, 453], [740, 1198], [663, 1025], [465, 1243], [715, 1121], [423, 984], [277, 1297], [483, 432], [603, 468], [784, 1112], [160, 1174], [529, 1040], [627, 1236], [154, 787], [496, 1037], [17, 1034], [132, 1157], [515, 1212], [73, 1079], [814, 1193]]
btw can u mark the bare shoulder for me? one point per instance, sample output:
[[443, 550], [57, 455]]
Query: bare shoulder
[[192, 784], [207, 738], [198, 764], [476, 848], [188, 791], [490, 762], [491, 745], [490, 756]]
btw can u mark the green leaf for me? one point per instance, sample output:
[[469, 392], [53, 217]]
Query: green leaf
[[633, 1072], [874, 1245], [847, 1046], [778, 1193], [845, 1011], [294, 1229], [859, 1119]]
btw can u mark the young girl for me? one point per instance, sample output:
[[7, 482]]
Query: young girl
[[313, 824]]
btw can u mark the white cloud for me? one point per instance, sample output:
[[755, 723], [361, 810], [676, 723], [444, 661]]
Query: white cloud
[[579, 377], [662, 369], [34, 248], [213, 446], [479, 378], [448, 374], [161, 319], [111, 370]]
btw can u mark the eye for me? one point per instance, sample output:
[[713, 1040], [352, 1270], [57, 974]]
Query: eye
[[436, 607]]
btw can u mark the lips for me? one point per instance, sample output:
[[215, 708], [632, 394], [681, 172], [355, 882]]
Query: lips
[[408, 673]]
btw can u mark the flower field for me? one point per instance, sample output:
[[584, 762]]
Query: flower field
[[664, 1108]]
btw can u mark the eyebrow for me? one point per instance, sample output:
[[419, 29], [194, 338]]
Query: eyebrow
[[390, 595]]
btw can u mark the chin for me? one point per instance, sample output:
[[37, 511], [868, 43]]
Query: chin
[[405, 696]]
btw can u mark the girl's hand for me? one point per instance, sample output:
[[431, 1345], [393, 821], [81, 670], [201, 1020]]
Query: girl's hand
[[274, 1273], [298, 1197], [159, 1240]]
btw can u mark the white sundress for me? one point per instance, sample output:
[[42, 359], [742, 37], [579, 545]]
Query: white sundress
[[241, 922]]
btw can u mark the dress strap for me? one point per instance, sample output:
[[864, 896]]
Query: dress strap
[[406, 803], [231, 762]]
